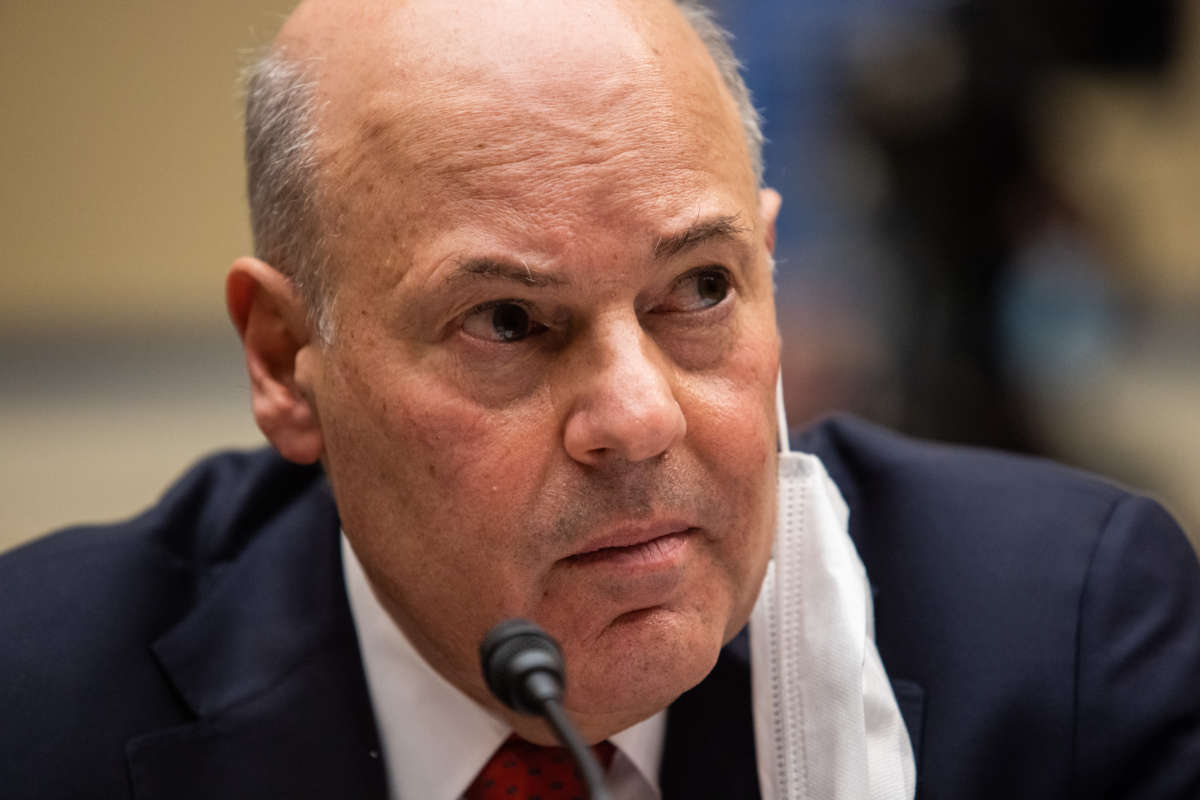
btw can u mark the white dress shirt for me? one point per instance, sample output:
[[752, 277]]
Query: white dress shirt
[[436, 739]]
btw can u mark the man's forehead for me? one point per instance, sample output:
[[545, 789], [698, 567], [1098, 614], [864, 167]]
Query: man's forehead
[[360, 41], [539, 100], [538, 125], [511, 142], [516, 57]]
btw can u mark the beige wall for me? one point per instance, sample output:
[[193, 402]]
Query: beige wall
[[121, 206], [122, 199]]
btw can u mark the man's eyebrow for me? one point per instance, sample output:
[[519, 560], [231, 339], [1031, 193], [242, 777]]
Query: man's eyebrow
[[727, 226], [476, 268]]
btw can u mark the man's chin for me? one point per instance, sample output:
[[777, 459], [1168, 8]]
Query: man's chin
[[640, 664]]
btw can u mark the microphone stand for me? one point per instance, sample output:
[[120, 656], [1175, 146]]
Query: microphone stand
[[523, 668]]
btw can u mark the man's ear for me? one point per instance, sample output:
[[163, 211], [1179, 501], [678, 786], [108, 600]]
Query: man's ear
[[272, 322], [768, 209]]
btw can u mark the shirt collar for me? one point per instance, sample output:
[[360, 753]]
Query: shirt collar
[[435, 739]]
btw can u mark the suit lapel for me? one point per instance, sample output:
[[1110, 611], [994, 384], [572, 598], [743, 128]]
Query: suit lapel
[[910, 696], [268, 663], [709, 751]]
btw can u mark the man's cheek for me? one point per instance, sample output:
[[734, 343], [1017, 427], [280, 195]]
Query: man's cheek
[[429, 436], [735, 430]]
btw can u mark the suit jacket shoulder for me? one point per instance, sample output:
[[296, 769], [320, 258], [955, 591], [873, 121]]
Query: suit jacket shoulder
[[1046, 621], [162, 656]]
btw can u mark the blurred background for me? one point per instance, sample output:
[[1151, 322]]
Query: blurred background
[[986, 237]]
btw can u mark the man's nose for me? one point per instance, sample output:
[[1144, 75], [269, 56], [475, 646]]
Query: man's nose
[[624, 406]]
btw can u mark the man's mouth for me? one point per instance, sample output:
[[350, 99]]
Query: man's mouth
[[636, 546]]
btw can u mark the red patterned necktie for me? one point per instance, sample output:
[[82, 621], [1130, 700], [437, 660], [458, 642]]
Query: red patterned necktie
[[521, 770]]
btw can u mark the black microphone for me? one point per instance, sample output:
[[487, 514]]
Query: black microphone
[[523, 668]]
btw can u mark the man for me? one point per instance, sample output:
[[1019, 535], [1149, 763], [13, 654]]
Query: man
[[511, 323]]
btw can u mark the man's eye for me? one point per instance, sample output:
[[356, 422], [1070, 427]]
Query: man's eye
[[501, 322], [711, 287], [698, 290]]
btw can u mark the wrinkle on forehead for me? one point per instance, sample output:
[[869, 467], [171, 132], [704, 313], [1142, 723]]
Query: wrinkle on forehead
[[516, 103], [514, 148]]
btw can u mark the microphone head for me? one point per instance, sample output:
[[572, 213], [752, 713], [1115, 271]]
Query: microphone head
[[522, 665]]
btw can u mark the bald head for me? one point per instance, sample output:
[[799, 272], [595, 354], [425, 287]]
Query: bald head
[[350, 90]]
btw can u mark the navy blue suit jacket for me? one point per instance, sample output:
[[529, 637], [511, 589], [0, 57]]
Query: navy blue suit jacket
[[1041, 629]]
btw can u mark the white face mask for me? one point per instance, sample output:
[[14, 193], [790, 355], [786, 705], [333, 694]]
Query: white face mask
[[826, 724]]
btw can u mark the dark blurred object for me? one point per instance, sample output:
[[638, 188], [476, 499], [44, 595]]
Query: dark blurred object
[[951, 102], [1108, 35]]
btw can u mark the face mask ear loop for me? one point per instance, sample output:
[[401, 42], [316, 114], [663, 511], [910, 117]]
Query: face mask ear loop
[[781, 414]]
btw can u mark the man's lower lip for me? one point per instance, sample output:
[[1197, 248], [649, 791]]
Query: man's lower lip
[[661, 551]]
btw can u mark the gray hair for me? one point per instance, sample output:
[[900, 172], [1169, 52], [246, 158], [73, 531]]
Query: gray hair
[[281, 160], [281, 177], [717, 41]]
